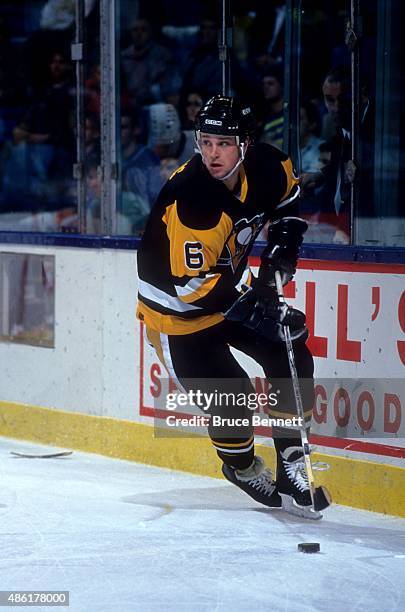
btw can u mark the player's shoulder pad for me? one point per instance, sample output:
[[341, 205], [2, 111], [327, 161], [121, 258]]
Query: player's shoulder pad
[[283, 173], [268, 153], [265, 161]]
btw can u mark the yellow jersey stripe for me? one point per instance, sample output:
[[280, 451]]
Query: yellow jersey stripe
[[234, 444], [202, 291], [244, 187], [291, 178]]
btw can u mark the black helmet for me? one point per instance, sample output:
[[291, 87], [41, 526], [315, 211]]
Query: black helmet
[[225, 116]]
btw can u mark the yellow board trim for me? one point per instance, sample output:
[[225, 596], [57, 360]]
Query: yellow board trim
[[360, 484]]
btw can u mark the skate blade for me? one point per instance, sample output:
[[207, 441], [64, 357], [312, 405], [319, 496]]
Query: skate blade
[[307, 512]]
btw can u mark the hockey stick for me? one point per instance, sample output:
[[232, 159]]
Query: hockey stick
[[320, 496], [41, 456]]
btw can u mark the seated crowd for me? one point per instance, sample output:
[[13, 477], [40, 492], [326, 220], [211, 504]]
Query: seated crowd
[[169, 67]]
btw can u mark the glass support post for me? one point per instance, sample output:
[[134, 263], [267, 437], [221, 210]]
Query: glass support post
[[77, 54], [109, 166], [225, 45], [292, 82], [353, 34]]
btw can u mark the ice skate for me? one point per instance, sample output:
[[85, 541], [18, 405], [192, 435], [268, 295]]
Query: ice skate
[[257, 481], [292, 484]]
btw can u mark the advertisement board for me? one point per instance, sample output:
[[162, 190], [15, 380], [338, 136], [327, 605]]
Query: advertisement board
[[356, 319]]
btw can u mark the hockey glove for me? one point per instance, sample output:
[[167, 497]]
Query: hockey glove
[[259, 309], [281, 253]]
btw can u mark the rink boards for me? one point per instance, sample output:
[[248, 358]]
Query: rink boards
[[98, 388]]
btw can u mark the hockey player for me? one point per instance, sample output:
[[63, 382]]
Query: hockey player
[[197, 298]]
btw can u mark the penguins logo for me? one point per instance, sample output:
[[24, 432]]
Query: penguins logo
[[243, 235]]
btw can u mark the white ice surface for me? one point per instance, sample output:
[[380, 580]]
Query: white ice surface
[[120, 536]]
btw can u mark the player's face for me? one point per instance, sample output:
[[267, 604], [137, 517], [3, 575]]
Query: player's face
[[337, 101], [220, 154], [272, 89], [193, 106], [141, 33]]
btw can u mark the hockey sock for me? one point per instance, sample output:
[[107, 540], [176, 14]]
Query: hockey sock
[[236, 454]]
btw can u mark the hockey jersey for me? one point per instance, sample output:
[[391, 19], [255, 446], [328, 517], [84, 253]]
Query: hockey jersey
[[193, 256]]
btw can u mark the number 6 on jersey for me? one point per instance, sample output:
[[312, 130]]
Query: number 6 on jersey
[[193, 255]]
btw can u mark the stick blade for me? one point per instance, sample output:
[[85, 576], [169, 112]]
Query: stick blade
[[322, 498], [41, 456]]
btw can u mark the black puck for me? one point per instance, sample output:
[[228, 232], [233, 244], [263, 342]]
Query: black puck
[[309, 547]]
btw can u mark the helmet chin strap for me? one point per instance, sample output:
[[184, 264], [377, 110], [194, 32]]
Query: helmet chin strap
[[242, 149]]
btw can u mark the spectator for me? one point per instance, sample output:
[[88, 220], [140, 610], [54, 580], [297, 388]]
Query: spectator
[[165, 136], [148, 67], [166, 140], [203, 71], [49, 119], [56, 31], [93, 92], [192, 103], [133, 211], [17, 173], [167, 167], [335, 178], [133, 153], [49, 130], [273, 114], [309, 142]]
